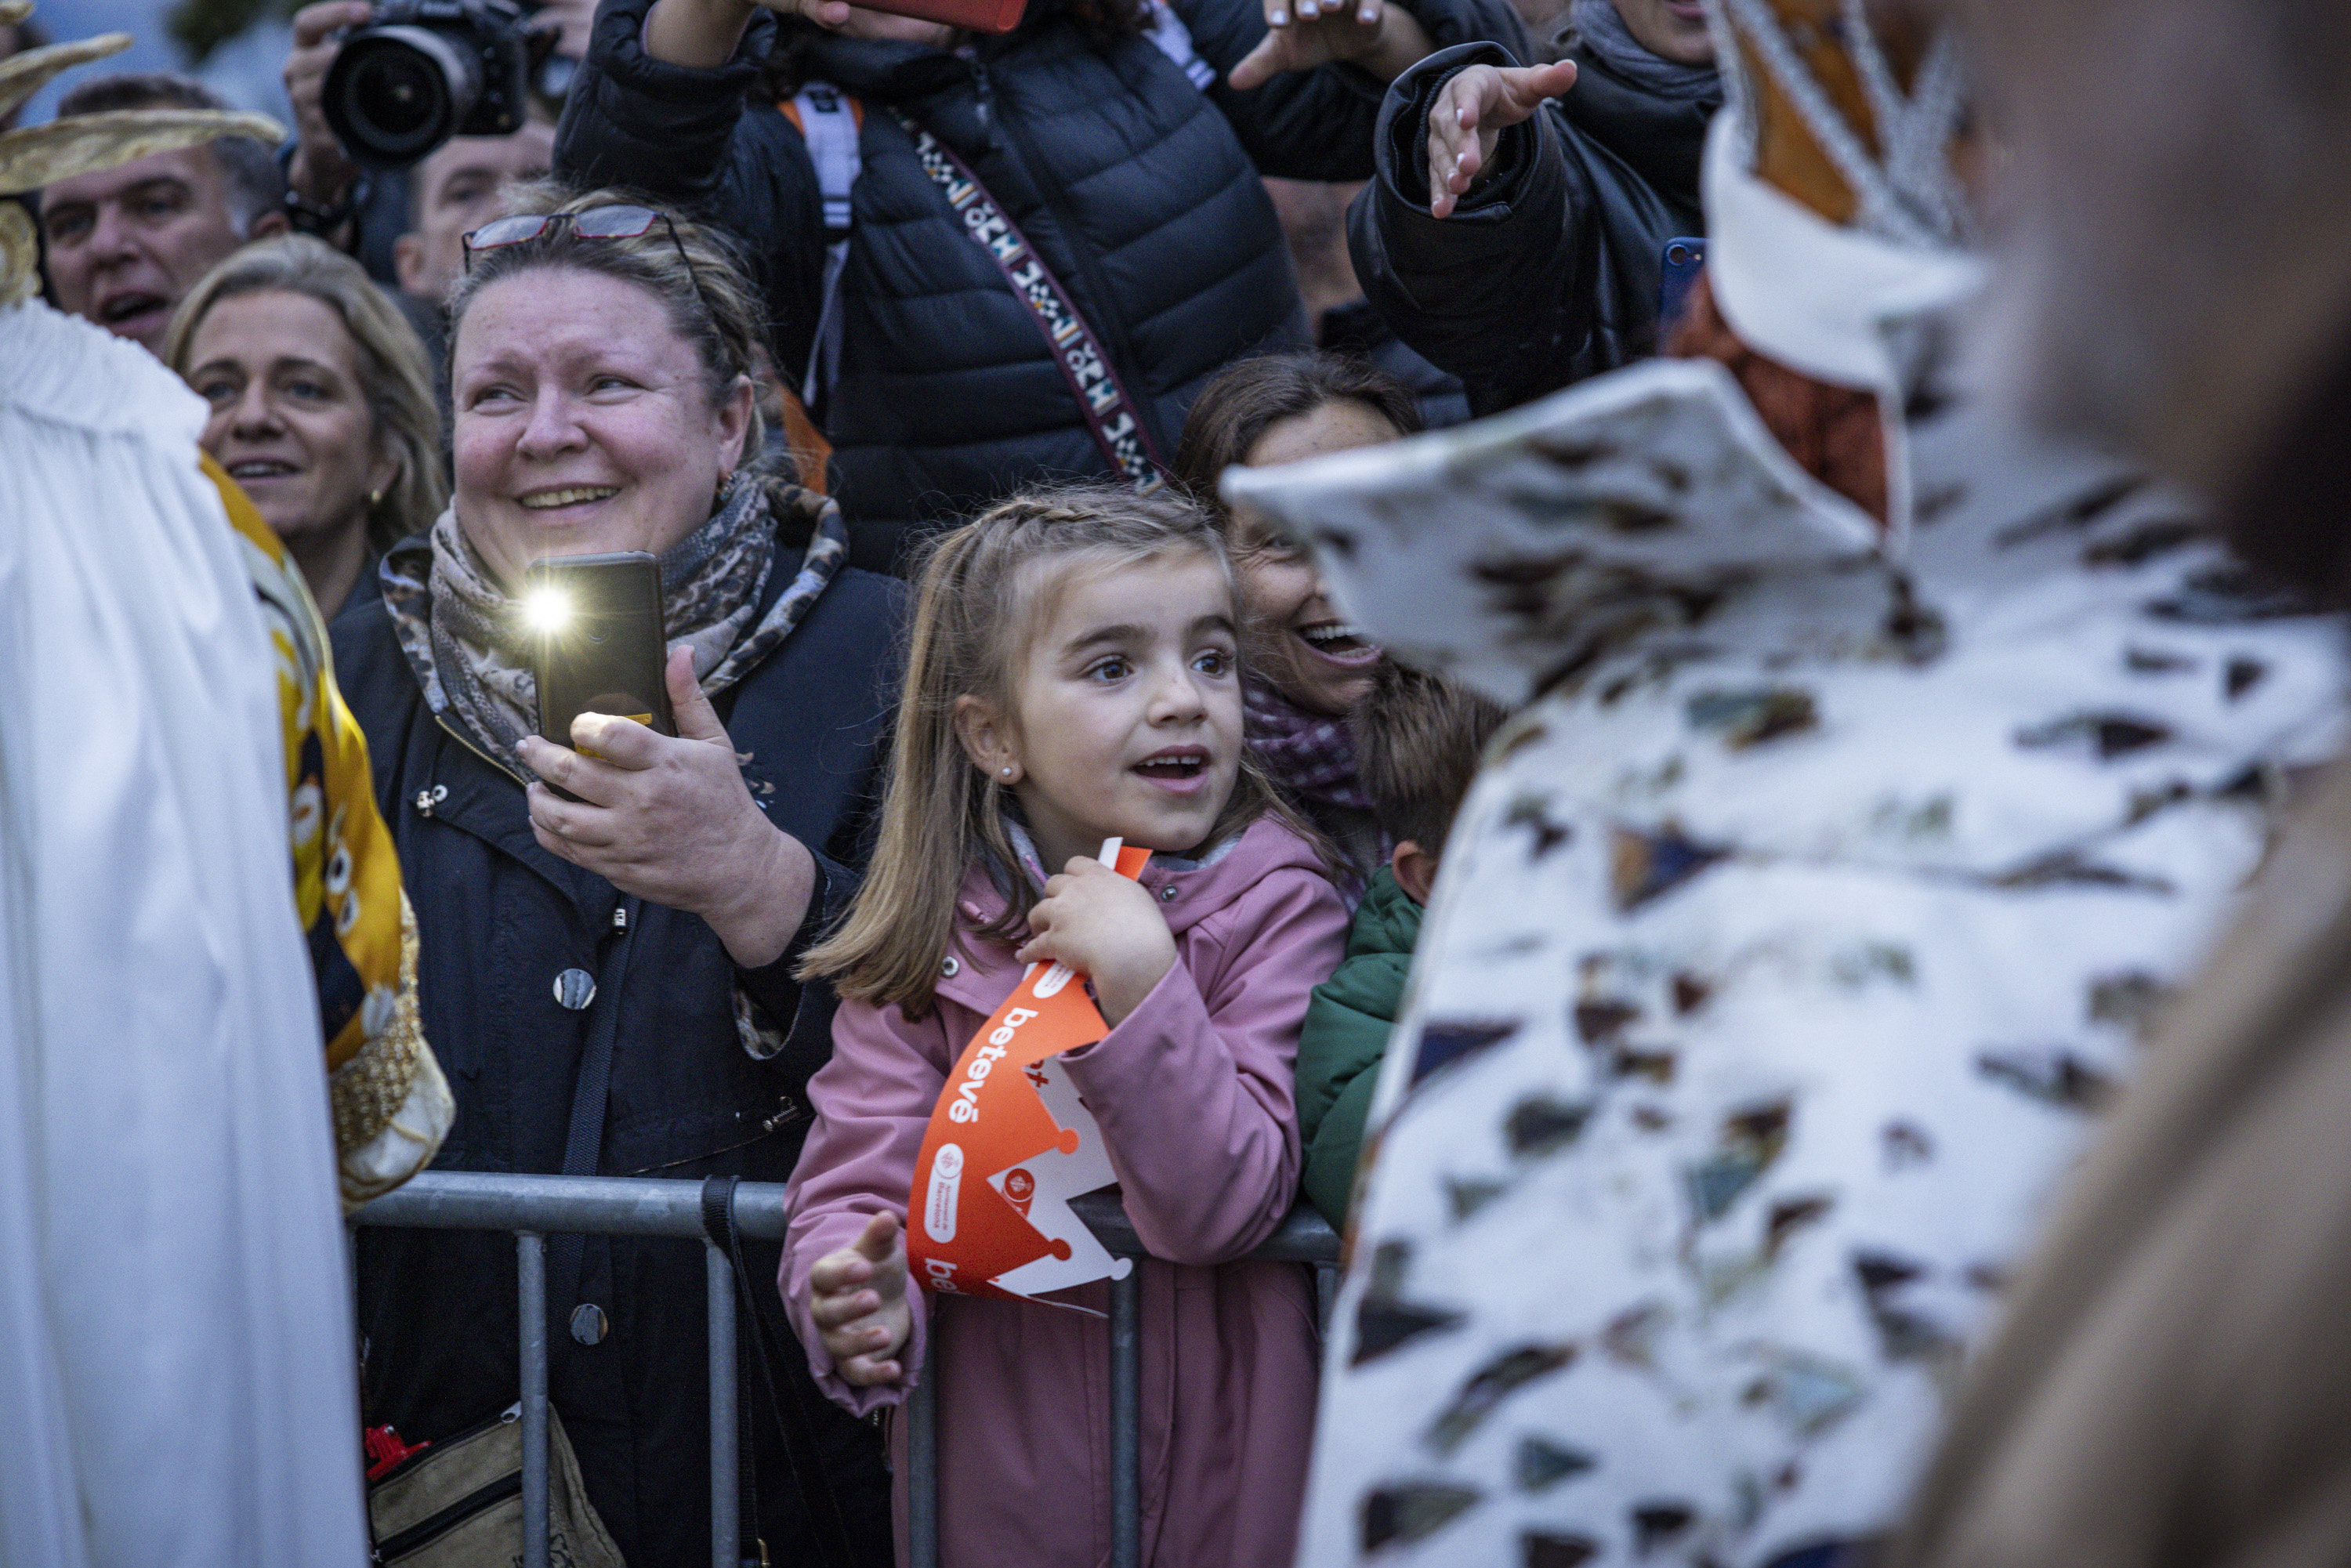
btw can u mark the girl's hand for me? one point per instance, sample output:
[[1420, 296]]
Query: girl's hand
[[1380, 37], [1107, 927], [1471, 111], [858, 1297], [672, 821]]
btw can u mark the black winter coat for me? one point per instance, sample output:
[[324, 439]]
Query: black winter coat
[[1139, 191], [1548, 272], [498, 919]]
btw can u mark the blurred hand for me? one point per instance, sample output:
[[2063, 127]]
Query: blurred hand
[[1474, 108], [571, 20], [671, 820], [1380, 37], [702, 34], [321, 172], [1108, 928], [858, 1297]]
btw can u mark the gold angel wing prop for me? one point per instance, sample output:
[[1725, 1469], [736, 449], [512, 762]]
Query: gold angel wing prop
[[22, 76], [40, 155]]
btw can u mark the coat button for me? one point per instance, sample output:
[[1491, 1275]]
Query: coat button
[[952, 968], [1168, 894], [575, 988], [588, 1324]]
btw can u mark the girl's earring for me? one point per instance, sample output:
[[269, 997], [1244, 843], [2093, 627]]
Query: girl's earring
[[1007, 771]]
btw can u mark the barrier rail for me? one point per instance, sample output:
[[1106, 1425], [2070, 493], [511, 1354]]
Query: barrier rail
[[535, 1206]]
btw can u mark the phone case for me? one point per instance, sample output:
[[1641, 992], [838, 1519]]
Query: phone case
[[608, 656], [978, 15]]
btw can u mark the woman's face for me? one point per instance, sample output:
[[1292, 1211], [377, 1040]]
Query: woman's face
[[289, 417], [1298, 642], [582, 423]]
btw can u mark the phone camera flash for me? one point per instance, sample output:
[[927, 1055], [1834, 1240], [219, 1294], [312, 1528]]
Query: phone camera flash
[[547, 609]]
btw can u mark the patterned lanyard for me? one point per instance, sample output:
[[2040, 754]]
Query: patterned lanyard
[[1109, 411]]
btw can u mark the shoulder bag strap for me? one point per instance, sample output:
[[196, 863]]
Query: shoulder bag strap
[[583, 1146], [786, 1396], [1109, 413], [829, 121]]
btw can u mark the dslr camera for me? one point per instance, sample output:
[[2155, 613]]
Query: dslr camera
[[421, 71]]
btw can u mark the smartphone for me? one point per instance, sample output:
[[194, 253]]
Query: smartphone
[[977, 15], [597, 640], [1682, 260]]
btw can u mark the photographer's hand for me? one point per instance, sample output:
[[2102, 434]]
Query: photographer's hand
[[671, 820], [320, 173]]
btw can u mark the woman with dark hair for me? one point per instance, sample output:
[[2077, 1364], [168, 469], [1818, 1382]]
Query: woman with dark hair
[[1306, 664], [1104, 155], [612, 967]]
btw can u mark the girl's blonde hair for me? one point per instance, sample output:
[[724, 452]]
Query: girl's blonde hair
[[394, 375], [979, 598]]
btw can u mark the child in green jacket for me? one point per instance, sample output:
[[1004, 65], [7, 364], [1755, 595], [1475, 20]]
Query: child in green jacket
[[1418, 741]]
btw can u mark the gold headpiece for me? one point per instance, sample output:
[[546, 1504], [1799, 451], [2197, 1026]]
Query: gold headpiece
[[40, 155]]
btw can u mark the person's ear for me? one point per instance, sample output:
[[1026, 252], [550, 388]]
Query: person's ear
[[1415, 869], [987, 739], [735, 422], [272, 222], [408, 264], [382, 473]]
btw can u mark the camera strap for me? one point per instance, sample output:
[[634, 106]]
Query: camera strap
[[1109, 411]]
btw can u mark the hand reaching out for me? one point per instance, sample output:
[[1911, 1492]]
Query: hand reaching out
[[858, 1297], [1471, 111], [1106, 927]]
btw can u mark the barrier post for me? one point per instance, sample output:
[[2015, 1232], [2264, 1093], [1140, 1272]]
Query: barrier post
[[530, 1267], [725, 1490], [1126, 1420]]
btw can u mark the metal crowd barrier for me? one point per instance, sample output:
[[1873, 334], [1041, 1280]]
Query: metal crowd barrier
[[535, 1206]]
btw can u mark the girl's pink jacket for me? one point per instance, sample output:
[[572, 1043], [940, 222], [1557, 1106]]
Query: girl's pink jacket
[[1193, 1093]]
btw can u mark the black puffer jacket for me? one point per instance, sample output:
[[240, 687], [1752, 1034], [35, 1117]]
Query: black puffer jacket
[[1137, 189], [499, 920], [1548, 272]]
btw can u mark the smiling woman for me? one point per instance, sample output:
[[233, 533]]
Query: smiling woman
[[600, 361], [1307, 664], [321, 406]]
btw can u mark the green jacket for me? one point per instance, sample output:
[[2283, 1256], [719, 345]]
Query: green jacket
[[1345, 1035]]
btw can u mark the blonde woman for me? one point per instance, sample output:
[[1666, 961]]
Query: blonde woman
[[321, 403]]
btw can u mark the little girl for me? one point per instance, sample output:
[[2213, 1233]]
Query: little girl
[[1071, 677]]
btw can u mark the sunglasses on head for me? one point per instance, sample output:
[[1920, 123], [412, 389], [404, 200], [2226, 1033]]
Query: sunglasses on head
[[593, 223]]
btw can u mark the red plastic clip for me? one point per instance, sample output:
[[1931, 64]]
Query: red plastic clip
[[385, 1450]]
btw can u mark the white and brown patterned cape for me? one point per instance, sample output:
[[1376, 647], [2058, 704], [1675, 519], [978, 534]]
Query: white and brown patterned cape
[[1790, 939]]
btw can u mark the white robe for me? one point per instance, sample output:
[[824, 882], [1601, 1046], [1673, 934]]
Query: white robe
[[176, 1363]]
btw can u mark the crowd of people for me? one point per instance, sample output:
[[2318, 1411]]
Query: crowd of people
[[1682, 872]]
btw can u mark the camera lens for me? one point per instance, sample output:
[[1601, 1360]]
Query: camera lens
[[393, 94]]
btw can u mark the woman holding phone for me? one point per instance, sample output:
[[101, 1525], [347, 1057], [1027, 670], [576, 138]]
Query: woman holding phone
[[612, 973], [1118, 143]]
